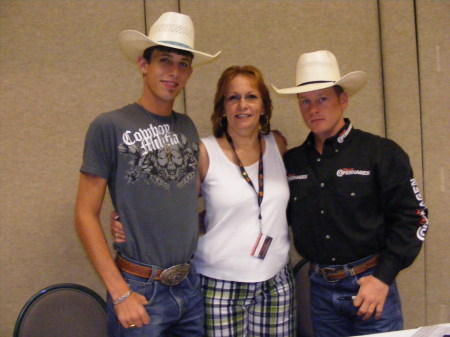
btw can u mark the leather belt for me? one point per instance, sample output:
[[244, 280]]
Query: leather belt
[[338, 273], [170, 276]]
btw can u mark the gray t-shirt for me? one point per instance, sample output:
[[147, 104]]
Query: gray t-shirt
[[151, 165]]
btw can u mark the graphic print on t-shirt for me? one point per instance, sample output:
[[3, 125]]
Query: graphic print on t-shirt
[[159, 156]]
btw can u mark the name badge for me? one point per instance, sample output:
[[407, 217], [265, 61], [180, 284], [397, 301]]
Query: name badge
[[261, 246]]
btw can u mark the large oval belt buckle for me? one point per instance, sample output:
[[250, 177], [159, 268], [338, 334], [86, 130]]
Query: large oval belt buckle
[[175, 275]]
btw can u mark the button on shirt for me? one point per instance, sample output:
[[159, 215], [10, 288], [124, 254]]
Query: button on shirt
[[355, 199]]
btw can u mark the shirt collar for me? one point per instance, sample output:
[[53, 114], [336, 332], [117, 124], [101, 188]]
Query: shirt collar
[[335, 142], [343, 133]]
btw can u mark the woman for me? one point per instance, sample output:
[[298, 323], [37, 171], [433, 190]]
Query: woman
[[246, 293], [242, 256]]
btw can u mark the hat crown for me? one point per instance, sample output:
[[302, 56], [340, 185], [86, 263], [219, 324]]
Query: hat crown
[[173, 28], [318, 66]]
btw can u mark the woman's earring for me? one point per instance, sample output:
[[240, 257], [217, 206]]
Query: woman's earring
[[223, 122], [265, 124]]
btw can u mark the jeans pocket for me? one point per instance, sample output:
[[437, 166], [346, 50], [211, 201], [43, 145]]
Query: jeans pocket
[[146, 289]]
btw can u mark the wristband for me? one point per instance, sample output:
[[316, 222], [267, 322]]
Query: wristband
[[123, 297]]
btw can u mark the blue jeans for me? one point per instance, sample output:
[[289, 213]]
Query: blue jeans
[[174, 311], [334, 314]]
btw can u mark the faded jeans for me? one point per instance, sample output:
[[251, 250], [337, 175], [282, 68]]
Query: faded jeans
[[174, 311], [333, 311]]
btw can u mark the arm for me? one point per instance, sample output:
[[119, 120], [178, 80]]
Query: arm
[[405, 214], [405, 227], [91, 191], [203, 162]]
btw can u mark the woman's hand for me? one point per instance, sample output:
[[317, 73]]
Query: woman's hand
[[117, 228]]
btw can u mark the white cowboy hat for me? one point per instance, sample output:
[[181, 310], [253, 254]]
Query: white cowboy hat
[[172, 30], [320, 70]]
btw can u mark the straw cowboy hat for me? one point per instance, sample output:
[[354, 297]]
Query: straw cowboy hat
[[172, 30], [320, 70]]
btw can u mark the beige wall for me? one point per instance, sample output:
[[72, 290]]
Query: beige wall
[[60, 66], [434, 69]]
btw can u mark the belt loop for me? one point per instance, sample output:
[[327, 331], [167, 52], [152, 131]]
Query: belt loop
[[349, 271], [316, 268], [346, 270], [152, 275]]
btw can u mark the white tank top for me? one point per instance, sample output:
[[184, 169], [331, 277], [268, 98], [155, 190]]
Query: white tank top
[[232, 224]]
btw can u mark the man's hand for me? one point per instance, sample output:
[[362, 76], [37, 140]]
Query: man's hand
[[117, 228], [131, 312], [371, 297]]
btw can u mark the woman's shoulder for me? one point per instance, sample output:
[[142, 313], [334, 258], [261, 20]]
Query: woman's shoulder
[[280, 141], [208, 138]]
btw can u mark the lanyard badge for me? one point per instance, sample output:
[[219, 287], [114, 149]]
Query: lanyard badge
[[263, 241], [261, 246]]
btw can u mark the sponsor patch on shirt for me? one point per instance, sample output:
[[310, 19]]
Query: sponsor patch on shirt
[[292, 177], [351, 171]]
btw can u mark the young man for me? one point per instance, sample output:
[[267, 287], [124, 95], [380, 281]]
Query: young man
[[356, 212], [147, 156]]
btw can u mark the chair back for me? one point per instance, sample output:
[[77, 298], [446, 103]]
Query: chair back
[[63, 310], [304, 321]]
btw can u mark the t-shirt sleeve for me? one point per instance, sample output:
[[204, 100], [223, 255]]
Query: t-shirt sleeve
[[99, 148], [193, 130]]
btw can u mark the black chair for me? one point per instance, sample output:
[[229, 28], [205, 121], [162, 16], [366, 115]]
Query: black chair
[[304, 322], [63, 310]]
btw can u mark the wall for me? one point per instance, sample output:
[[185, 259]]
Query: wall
[[60, 66]]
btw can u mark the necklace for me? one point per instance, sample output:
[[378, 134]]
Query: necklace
[[167, 147]]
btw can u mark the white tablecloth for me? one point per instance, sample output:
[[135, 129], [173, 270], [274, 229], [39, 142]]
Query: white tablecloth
[[438, 330]]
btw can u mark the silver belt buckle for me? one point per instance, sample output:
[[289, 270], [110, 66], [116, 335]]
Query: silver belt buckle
[[175, 275], [325, 272]]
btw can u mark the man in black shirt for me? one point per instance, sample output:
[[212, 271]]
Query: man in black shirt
[[356, 211]]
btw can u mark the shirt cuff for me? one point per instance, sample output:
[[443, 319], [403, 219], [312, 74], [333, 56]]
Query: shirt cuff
[[387, 270]]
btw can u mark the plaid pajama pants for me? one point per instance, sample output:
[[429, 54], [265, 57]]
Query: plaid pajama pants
[[240, 309]]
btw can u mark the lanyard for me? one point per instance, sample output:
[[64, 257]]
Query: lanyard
[[260, 192]]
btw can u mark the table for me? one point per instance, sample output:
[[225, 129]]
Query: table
[[437, 330]]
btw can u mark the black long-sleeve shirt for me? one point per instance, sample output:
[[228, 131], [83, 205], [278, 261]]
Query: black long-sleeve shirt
[[355, 199]]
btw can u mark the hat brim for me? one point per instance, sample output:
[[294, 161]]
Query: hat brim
[[351, 83], [133, 43]]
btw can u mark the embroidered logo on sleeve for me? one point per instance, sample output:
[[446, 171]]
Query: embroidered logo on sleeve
[[351, 171], [423, 222]]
